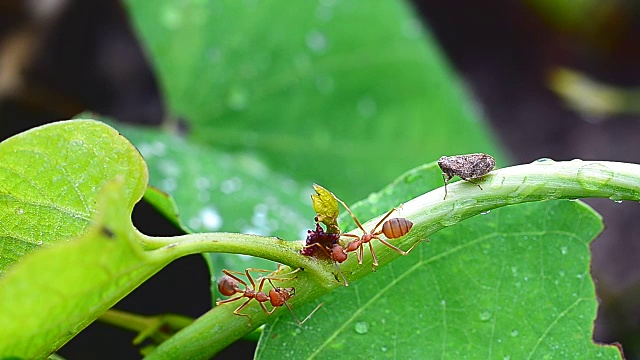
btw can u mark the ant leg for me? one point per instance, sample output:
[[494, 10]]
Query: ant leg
[[251, 278], [473, 182], [220, 302], [350, 235], [237, 311], [264, 308], [289, 273], [334, 262], [308, 316], [398, 249], [360, 254], [230, 273], [383, 219], [373, 254], [350, 213]]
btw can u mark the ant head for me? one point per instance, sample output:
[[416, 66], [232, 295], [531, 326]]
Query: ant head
[[338, 254], [227, 285], [278, 296]]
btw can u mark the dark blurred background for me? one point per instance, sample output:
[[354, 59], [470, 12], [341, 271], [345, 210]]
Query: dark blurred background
[[61, 57]]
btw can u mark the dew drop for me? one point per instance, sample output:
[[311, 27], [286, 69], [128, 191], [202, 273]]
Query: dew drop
[[237, 98], [168, 185], [616, 199], [19, 211], [544, 160], [451, 220], [485, 212], [231, 185], [169, 168], [302, 62], [564, 250], [384, 349], [485, 316], [214, 55], [514, 333], [594, 176], [361, 327], [324, 13], [367, 107], [202, 183], [210, 219], [40, 242], [324, 84], [316, 42], [171, 18]]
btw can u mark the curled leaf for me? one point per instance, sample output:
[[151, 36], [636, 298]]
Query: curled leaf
[[326, 208]]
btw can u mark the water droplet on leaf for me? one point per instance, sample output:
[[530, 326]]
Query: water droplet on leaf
[[485, 315], [361, 327], [316, 41], [594, 176]]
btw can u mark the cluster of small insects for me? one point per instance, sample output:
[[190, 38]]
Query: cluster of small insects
[[327, 244], [332, 248]]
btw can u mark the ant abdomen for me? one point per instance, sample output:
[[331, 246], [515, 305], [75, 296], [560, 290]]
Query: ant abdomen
[[396, 227], [228, 286]]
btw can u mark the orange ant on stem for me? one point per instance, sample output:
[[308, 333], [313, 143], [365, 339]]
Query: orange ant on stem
[[228, 285], [335, 253], [392, 229]]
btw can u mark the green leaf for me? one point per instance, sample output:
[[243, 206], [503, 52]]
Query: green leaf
[[513, 283], [218, 191], [165, 204], [326, 208], [54, 292], [345, 93], [49, 180]]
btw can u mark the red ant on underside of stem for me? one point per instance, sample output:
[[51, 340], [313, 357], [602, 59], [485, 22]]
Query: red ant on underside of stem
[[228, 285]]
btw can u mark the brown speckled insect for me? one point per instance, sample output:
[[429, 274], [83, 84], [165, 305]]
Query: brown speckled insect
[[467, 167], [392, 229], [229, 285]]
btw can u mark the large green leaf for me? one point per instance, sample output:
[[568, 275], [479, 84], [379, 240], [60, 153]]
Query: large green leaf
[[346, 93], [217, 191], [49, 180], [511, 284], [53, 293]]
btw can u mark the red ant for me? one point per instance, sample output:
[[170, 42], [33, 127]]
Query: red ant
[[392, 229], [329, 244], [228, 285]]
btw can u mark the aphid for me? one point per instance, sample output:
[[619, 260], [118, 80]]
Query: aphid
[[467, 167], [392, 229], [228, 285], [328, 244]]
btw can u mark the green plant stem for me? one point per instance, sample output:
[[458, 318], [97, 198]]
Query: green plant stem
[[146, 326], [538, 181], [283, 252]]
